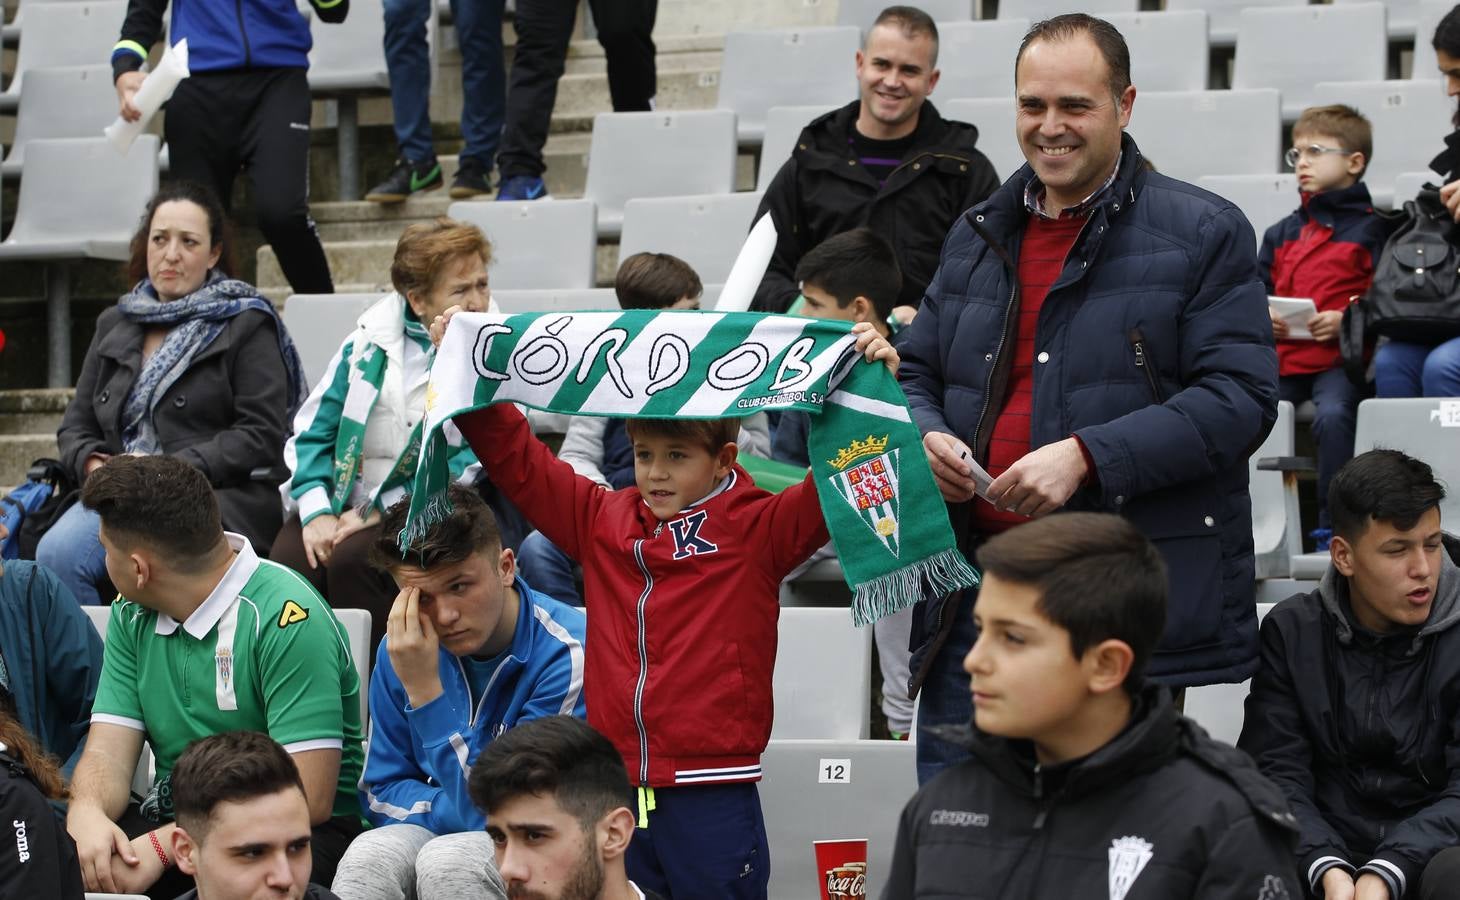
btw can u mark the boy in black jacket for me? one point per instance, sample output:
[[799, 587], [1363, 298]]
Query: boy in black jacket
[[1085, 782], [1355, 710]]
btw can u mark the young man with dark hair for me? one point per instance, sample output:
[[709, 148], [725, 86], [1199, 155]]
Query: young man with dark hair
[[559, 810], [1354, 710], [1085, 782], [242, 820], [204, 637], [470, 653]]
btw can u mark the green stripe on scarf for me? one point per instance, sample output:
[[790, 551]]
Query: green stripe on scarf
[[881, 505]]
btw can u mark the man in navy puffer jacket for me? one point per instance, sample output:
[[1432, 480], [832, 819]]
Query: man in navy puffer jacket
[[1097, 337]]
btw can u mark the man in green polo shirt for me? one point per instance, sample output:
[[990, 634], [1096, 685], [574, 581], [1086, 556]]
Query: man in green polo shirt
[[205, 637]]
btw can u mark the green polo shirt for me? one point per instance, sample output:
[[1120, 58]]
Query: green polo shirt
[[263, 652]]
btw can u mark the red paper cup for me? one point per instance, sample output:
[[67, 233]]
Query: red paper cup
[[842, 869]]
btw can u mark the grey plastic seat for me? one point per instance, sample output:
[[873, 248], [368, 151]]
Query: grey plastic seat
[[1263, 199], [64, 34], [1403, 15], [823, 675], [1338, 43], [1407, 185], [1035, 10], [1188, 134], [862, 13], [1276, 525], [994, 117], [318, 323], [1427, 16], [1222, 15], [1168, 50], [658, 154], [785, 67], [1405, 115], [1219, 707], [10, 31], [977, 58], [63, 102], [783, 125], [539, 301], [704, 231], [542, 244]]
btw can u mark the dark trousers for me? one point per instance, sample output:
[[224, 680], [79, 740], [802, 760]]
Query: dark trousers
[[256, 119], [348, 581], [702, 842], [944, 698], [1336, 400], [1441, 878], [544, 28]]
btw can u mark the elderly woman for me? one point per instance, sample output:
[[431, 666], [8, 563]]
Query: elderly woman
[[191, 363], [357, 437]]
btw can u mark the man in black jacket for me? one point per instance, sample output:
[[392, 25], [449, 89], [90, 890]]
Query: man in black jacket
[[887, 161], [1085, 781], [1355, 711]]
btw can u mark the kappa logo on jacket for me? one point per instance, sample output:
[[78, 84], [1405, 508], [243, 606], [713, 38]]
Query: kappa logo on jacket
[[1274, 889], [1128, 858], [687, 540]]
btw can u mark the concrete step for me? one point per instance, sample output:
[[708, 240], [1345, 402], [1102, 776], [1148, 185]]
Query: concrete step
[[39, 411], [17, 451]]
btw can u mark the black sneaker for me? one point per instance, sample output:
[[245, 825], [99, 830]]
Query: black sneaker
[[405, 179], [470, 181]]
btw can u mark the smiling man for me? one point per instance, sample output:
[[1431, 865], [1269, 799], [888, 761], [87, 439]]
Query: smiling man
[[470, 651], [1097, 339], [887, 161], [1353, 712]]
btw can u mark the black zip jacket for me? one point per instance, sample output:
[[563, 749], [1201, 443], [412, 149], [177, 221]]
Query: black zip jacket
[[37, 857], [1362, 731], [821, 191], [1162, 812]]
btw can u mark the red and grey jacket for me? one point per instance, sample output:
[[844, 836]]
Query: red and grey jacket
[[681, 614], [1325, 250]]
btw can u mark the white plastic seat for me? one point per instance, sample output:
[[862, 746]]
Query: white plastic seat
[[977, 58], [356, 623], [1276, 523], [1408, 119], [1036, 10], [1403, 16], [1263, 199], [62, 102], [1168, 50], [823, 675], [64, 34], [318, 323], [1222, 15], [705, 231], [994, 117], [1219, 707], [537, 301], [1293, 48], [785, 67], [658, 154], [783, 125], [541, 244], [1188, 134], [1427, 16], [862, 13]]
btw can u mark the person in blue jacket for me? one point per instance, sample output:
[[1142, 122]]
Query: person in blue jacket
[[470, 651]]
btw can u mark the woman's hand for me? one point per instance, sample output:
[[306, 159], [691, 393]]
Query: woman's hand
[[438, 326], [319, 539], [351, 522], [1450, 196]]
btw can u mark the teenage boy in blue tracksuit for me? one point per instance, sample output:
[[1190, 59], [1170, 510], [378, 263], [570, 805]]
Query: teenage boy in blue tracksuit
[[470, 651]]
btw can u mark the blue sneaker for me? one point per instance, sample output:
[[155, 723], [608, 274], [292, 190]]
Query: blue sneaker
[[522, 187], [1322, 537]]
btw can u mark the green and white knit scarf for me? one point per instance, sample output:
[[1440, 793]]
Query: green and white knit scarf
[[881, 505]]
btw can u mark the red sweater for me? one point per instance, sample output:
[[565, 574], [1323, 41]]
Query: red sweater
[[1041, 259], [681, 614]]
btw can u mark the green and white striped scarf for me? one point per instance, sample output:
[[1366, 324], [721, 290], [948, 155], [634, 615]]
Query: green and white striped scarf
[[881, 505]]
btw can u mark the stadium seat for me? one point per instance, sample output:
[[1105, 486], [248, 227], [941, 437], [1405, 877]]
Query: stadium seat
[[862, 13], [62, 102], [1407, 185], [1168, 50], [1263, 199], [833, 790], [1403, 15], [1426, 428], [994, 117], [785, 67], [528, 301], [1188, 134], [783, 125], [1218, 707], [1427, 16], [658, 154], [1338, 43], [977, 58], [1409, 118], [64, 34], [1222, 15], [62, 217], [100, 617], [1035, 10], [544, 244], [1276, 521], [704, 231], [356, 623], [318, 324], [823, 675]]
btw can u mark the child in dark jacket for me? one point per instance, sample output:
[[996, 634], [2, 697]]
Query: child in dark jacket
[[1324, 251], [1085, 783]]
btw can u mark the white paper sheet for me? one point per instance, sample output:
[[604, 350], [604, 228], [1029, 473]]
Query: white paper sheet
[[1296, 311], [156, 89]]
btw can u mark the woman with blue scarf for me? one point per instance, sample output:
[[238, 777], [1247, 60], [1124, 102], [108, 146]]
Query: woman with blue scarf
[[191, 363]]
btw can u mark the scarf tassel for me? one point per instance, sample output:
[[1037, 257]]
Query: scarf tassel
[[942, 573]]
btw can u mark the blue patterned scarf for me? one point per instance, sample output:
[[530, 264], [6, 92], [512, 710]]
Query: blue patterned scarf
[[197, 320]]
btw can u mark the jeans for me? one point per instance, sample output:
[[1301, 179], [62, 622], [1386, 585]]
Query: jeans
[[547, 569], [944, 699], [1337, 402], [483, 78], [1417, 370], [72, 549]]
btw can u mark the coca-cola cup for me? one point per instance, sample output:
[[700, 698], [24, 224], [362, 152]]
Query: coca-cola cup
[[842, 869]]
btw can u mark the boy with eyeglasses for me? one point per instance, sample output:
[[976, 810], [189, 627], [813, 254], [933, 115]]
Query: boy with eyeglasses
[[1325, 250]]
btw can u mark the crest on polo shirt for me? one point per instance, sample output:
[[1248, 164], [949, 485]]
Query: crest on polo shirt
[[867, 479], [1128, 858]]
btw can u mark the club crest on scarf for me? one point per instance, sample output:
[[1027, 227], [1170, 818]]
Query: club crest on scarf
[[871, 486]]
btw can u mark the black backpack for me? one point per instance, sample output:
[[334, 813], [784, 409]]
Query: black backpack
[[64, 493]]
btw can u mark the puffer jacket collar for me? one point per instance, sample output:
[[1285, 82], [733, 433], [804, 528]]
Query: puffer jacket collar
[[1333, 591]]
